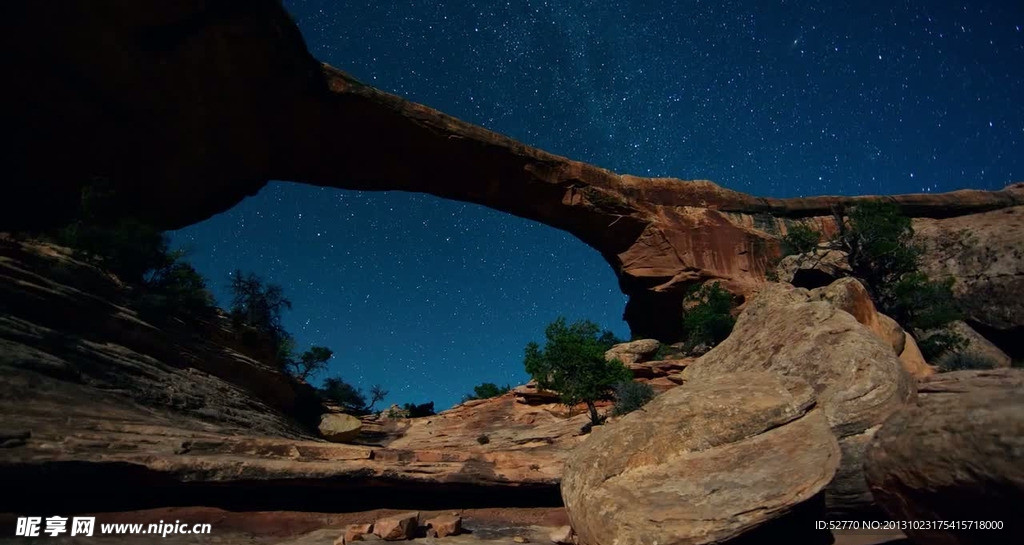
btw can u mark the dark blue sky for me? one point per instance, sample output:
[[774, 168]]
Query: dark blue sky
[[430, 297]]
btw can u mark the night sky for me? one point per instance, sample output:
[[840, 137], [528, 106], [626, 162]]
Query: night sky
[[430, 297]]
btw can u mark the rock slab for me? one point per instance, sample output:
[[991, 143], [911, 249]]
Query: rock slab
[[956, 454], [856, 376], [702, 463], [339, 427]]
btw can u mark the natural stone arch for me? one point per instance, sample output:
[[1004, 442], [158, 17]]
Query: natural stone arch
[[187, 109]]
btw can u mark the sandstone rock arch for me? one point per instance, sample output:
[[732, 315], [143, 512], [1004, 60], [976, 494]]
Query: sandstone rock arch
[[186, 108]]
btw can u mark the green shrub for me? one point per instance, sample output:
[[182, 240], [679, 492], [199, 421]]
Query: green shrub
[[800, 239], [883, 254], [937, 343], [177, 288], [486, 390], [630, 396], [964, 360], [572, 363], [707, 319], [418, 411]]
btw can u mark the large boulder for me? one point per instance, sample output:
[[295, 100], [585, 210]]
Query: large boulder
[[702, 463], [856, 375], [850, 295], [340, 427], [637, 351], [957, 454]]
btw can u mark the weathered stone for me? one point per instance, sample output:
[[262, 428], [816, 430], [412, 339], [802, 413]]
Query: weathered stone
[[532, 394], [858, 379], [957, 454], [444, 526], [339, 427], [707, 461], [984, 254], [637, 351], [913, 360], [976, 346], [563, 536], [815, 269], [397, 527], [355, 532]]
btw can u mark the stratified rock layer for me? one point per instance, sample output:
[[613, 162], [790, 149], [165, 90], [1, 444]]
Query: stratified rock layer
[[955, 455], [856, 375], [702, 463], [220, 97]]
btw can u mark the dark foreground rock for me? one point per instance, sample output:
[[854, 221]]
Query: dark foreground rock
[[703, 463], [955, 455]]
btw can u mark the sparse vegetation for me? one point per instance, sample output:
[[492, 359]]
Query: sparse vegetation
[[883, 254], [418, 411], [311, 361], [338, 391], [483, 439], [139, 255], [572, 363], [630, 396], [486, 390], [800, 239], [708, 317]]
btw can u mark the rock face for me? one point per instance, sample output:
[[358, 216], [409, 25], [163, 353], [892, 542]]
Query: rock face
[[95, 396], [339, 428], [224, 96], [984, 254], [702, 463], [637, 351], [849, 295], [976, 345], [857, 377], [956, 454], [815, 269]]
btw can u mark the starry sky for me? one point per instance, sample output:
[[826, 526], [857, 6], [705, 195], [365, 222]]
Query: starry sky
[[776, 98]]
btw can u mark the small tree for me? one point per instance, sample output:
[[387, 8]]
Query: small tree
[[800, 239], [883, 254], [338, 391], [708, 318], [572, 363], [311, 361], [259, 305], [419, 411], [256, 303], [377, 393], [486, 390]]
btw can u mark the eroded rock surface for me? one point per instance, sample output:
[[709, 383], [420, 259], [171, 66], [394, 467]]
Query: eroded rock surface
[[858, 379], [955, 454], [94, 395], [702, 463], [984, 254]]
